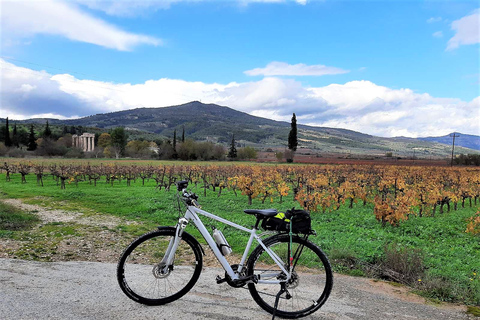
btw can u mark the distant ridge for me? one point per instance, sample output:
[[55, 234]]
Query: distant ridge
[[216, 123], [464, 140]]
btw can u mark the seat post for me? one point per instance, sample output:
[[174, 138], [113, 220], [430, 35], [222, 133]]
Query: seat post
[[259, 218]]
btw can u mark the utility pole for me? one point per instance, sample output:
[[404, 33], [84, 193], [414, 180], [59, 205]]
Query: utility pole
[[453, 135]]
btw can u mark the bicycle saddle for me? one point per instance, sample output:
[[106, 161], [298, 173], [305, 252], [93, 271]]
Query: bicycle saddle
[[264, 212]]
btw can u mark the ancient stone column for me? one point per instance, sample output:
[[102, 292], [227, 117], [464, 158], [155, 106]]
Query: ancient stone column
[[82, 142], [75, 140]]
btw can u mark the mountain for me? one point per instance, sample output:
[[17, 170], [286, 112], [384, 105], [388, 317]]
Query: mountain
[[463, 140], [216, 123]]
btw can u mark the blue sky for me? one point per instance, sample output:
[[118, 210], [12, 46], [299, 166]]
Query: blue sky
[[386, 68]]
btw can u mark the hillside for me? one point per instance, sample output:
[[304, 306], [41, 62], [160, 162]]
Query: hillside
[[217, 123], [464, 140]]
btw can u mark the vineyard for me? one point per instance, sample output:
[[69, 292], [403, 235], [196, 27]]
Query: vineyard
[[415, 225], [395, 192]]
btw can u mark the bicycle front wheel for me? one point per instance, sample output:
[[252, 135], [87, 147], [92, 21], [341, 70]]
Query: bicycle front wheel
[[310, 284], [144, 279]]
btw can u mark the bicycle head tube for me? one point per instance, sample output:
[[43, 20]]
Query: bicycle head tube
[[182, 224]]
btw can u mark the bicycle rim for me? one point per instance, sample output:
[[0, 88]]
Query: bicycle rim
[[311, 282], [144, 279]]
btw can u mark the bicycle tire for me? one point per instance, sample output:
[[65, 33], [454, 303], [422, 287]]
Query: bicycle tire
[[310, 266], [140, 276]]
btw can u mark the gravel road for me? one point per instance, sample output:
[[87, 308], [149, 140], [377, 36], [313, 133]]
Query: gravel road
[[88, 290]]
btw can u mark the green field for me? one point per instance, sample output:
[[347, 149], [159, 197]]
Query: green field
[[448, 258]]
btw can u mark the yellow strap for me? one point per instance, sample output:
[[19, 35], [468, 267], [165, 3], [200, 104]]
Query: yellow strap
[[281, 215]]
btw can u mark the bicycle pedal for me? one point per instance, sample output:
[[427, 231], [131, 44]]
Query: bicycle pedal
[[220, 280]]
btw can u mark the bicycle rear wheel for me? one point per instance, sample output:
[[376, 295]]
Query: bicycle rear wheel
[[144, 279], [309, 286]]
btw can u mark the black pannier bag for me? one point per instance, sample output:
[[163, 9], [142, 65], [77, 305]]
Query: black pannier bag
[[276, 223], [301, 222]]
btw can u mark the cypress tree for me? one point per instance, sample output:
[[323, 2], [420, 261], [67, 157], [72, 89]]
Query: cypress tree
[[119, 141], [183, 134], [232, 152], [292, 136], [8, 141], [175, 141], [47, 133], [15, 137], [32, 144], [174, 145]]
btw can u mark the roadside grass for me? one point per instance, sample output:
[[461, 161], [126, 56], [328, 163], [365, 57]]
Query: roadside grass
[[447, 259], [13, 219], [475, 311]]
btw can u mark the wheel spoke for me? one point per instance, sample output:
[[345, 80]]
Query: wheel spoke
[[142, 278], [310, 266]]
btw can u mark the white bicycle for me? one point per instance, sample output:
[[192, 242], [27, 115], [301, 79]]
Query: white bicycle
[[163, 265]]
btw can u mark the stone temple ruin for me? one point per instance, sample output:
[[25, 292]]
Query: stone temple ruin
[[86, 141]]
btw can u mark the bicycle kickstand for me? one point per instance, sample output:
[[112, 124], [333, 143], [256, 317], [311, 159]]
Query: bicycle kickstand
[[283, 289]]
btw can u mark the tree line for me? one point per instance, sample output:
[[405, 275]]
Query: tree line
[[112, 144]]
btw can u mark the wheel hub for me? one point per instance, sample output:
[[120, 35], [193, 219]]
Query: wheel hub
[[161, 271], [293, 282]]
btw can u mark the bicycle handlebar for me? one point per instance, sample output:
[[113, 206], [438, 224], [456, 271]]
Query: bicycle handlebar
[[189, 198]]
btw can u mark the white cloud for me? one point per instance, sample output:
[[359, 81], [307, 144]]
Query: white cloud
[[434, 19], [438, 34], [467, 31], [27, 18], [357, 105], [246, 2], [284, 69], [128, 8]]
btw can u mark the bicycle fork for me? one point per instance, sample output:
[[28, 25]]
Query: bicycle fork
[[167, 260]]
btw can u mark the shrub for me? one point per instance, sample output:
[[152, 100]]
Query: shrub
[[75, 153], [247, 153], [17, 153], [345, 260], [48, 147], [279, 156], [401, 264], [473, 226], [3, 149], [445, 290]]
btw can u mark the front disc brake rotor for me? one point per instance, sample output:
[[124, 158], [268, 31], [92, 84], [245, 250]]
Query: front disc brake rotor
[[161, 271]]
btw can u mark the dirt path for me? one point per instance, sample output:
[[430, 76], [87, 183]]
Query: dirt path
[[86, 287], [88, 290], [54, 215]]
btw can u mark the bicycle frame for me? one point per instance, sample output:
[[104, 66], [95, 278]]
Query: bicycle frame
[[192, 214]]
